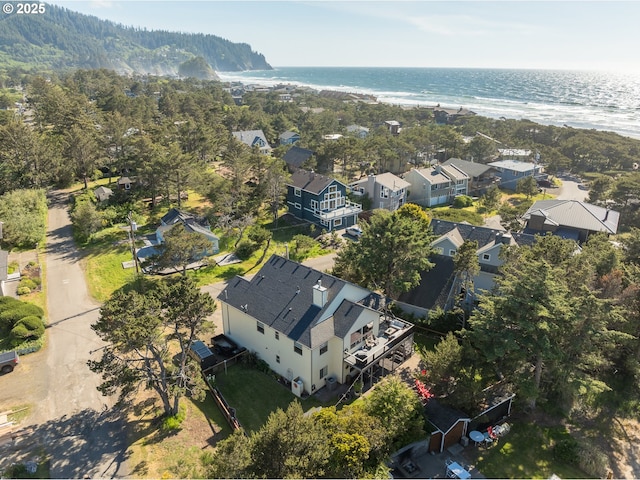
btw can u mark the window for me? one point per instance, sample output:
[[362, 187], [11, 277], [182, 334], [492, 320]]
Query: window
[[297, 192], [323, 372], [277, 335], [314, 206], [324, 348], [297, 205], [260, 327], [384, 193], [452, 252], [486, 256], [337, 222], [333, 188], [277, 358], [297, 348]]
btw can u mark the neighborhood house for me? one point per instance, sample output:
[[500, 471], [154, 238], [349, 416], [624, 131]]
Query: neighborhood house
[[191, 224], [570, 219], [385, 190], [321, 200], [512, 171], [313, 329], [253, 138], [437, 185]]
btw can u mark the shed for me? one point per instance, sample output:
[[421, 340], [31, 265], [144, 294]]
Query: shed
[[124, 183], [448, 425], [495, 407], [102, 193]]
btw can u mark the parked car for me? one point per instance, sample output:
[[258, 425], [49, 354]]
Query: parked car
[[354, 231], [8, 361]]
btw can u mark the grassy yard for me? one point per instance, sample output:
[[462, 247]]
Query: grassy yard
[[255, 395], [526, 452], [154, 454]]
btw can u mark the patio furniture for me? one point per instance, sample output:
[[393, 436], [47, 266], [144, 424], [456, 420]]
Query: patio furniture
[[476, 436], [455, 470]]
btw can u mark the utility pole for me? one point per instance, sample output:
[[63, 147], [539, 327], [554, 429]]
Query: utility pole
[[132, 237]]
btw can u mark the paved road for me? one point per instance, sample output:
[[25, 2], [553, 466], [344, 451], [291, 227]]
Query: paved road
[[570, 189], [70, 419]]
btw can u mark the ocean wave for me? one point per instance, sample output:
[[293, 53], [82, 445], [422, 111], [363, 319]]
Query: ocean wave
[[579, 99]]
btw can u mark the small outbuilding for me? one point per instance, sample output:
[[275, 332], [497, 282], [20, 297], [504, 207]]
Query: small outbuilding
[[102, 193], [448, 425]]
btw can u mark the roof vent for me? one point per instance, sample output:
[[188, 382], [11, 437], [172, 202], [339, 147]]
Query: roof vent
[[297, 291]]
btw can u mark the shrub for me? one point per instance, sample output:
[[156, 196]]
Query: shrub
[[7, 303], [13, 267], [567, 450], [245, 248], [263, 366], [462, 201], [29, 283], [23, 290], [174, 422], [258, 234], [9, 318], [28, 328], [593, 461]]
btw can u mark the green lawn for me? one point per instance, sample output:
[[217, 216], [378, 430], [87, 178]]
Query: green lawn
[[526, 452], [255, 395]]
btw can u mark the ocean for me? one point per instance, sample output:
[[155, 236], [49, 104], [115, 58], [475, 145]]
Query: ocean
[[579, 99]]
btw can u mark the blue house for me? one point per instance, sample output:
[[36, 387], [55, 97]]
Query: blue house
[[191, 224], [289, 138], [321, 200], [512, 171], [253, 138]]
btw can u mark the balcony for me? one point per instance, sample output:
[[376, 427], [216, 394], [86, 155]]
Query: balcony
[[349, 208], [391, 334]]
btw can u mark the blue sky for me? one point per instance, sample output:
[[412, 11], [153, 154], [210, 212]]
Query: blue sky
[[585, 35]]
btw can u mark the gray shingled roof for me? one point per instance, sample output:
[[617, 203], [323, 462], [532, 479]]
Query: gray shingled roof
[[296, 156], [280, 295], [575, 214], [443, 417], [310, 181], [483, 235], [434, 286], [472, 169]]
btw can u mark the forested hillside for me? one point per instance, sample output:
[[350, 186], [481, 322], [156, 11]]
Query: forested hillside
[[62, 39]]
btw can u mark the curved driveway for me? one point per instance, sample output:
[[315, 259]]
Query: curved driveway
[[74, 424]]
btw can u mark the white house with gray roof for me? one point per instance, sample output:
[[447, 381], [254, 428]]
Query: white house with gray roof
[[436, 185], [311, 327], [386, 190]]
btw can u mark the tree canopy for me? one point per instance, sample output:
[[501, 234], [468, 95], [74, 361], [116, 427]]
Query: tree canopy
[[141, 326], [393, 250]]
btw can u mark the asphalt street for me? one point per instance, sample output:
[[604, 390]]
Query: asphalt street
[[70, 420]]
